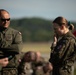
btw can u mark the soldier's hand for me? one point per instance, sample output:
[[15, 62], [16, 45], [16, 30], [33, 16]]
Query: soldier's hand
[[4, 62], [48, 67], [55, 39]]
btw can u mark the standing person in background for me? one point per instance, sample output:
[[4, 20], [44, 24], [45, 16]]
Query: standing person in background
[[63, 55], [28, 62], [32, 63], [10, 44]]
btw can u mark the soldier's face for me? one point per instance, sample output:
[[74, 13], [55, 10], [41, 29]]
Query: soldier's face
[[58, 29], [4, 19]]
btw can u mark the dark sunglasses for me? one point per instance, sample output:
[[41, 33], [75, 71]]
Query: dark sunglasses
[[5, 19]]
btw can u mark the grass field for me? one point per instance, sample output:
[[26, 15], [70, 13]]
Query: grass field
[[43, 48]]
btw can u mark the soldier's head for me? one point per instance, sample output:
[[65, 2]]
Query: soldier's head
[[4, 18], [47, 67], [60, 25], [29, 56], [38, 56]]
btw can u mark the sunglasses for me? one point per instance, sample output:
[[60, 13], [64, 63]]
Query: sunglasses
[[5, 19]]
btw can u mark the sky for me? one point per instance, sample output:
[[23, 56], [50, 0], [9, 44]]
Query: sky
[[47, 9]]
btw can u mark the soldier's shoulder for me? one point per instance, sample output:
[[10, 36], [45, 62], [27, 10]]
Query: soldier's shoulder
[[14, 30], [71, 39]]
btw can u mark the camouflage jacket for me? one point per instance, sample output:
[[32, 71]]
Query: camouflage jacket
[[64, 52], [10, 44]]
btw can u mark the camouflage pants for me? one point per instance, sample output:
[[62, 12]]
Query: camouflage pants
[[9, 71]]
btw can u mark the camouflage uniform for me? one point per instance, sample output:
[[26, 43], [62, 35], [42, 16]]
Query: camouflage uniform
[[25, 68], [40, 71], [63, 55], [39, 67], [10, 46]]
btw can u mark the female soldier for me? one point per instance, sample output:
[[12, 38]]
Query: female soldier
[[63, 55]]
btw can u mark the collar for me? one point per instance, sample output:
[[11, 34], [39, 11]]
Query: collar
[[2, 29]]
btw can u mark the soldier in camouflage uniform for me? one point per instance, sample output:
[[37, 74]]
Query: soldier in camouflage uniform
[[25, 66], [43, 69], [33, 64], [63, 54], [10, 44]]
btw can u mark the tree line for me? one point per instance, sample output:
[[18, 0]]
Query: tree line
[[34, 29]]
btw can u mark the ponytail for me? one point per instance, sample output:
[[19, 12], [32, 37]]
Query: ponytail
[[70, 26]]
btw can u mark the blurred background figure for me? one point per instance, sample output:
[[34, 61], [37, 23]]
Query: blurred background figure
[[25, 67], [43, 69], [32, 63]]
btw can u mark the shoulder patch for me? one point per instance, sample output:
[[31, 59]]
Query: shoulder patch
[[59, 47], [19, 33]]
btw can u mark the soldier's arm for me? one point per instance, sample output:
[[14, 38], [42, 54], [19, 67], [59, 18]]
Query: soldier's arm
[[16, 45], [55, 39]]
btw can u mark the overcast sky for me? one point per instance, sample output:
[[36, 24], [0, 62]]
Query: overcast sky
[[48, 9]]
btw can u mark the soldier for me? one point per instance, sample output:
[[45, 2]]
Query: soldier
[[44, 69], [25, 66], [10, 44], [41, 66], [56, 37], [33, 64], [62, 56]]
